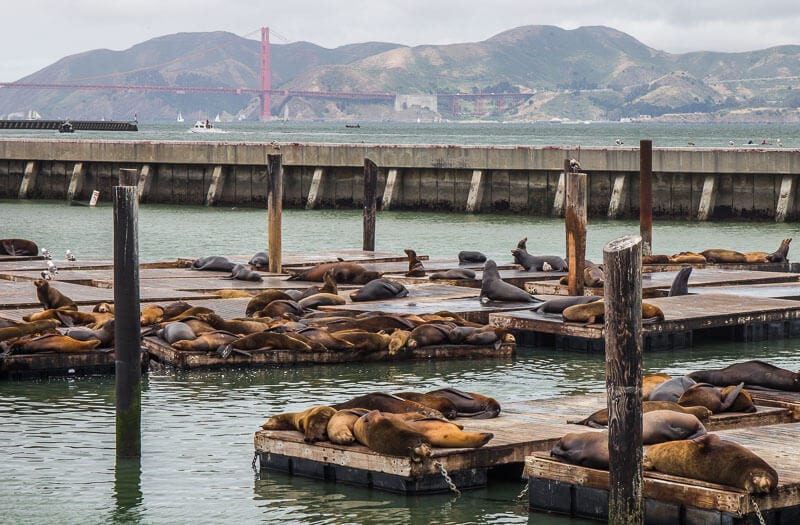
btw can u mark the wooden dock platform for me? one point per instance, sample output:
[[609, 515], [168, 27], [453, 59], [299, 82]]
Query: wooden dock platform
[[555, 486], [521, 429]]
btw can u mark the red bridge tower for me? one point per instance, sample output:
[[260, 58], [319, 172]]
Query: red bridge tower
[[266, 99]]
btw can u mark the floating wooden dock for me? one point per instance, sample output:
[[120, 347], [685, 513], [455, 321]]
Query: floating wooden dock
[[555, 486], [521, 429]]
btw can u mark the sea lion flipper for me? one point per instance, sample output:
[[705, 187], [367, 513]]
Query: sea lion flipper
[[731, 397]]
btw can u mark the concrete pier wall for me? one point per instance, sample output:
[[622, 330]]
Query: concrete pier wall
[[746, 183]]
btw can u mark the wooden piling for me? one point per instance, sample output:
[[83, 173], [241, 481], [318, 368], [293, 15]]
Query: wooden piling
[[391, 190], [785, 198], [274, 211], [708, 198], [576, 230], [370, 197], [28, 179], [622, 262], [75, 181], [127, 327], [216, 186], [646, 195], [145, 181], [475, 196], [315, 190]]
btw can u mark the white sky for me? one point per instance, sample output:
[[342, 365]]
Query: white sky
[[37, 33]]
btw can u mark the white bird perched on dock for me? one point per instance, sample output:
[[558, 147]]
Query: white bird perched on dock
[[574, 166], [51, 268], [619, 142], [70, 255], [46, 253]]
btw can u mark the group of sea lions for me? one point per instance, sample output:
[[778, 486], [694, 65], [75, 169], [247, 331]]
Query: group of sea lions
[[720, 255], [673, 411], [407, 424], [218, 263], [59, 327]]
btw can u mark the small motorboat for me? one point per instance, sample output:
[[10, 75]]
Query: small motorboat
[[66, 127]]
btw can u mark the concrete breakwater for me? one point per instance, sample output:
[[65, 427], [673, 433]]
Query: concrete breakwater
[[688, 183]]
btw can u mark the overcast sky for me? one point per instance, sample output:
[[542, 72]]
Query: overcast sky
[[37, 33]]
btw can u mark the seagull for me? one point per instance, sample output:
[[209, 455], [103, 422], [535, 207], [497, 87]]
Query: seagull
[[619, 142], [46, 253], [46, 275], [730, 143], [574, 166], [70, 255], [51, 268], [690, 143]]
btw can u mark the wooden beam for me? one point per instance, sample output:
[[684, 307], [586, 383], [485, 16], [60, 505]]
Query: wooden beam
[[274, 212], [618, 196], [370, 203], [391, 190], [315, 191], [561, 196], [76, 181], [576, 230], [785, 198], [646, 195], [145, 181], [217, 184], [475, 196], [707, 200], [28, 179]]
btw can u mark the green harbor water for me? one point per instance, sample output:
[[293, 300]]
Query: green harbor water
[[57, 436]]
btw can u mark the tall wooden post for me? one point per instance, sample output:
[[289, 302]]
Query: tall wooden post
[[575, 216], [646, 195], [370, 199], [622, 262], [127, 323], [274, 211]]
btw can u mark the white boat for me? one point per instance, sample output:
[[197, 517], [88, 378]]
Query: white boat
[[216, 119], [204, 126], [180, 117]]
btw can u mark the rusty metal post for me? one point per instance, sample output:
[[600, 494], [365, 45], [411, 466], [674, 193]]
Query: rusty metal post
[[274, 211], [127, 317], [370, 203], [646, 195], [622, 262]]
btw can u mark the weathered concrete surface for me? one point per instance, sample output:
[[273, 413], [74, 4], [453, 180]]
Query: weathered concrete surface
[[514, 178]]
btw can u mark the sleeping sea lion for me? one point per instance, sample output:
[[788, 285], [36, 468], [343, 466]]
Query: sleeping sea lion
[[387, 403], [594, 312], [587, 449], [151, 314], [650, 382], [415, 266], [262, 299], [236, 326], [214, 263], [340, 425], [280, 307], [259, 260], [558, 304], [453, 274], [687, 258], [364, 341], [242, 273], [320, 299], [206, 342], [270, 341], [440, 403], [467, 256], [470, 404], [18, 247], [176, 331], [655, 259], [391, 436], [398, 340], [51, 343], [312, 422], [709, 458], [442, 433], [714, 399], [50, 297], [322, 339], [671, 389], [668, 425], [343, 272], [104, 334], [720, 255], [379, 289], [599, 419], [429, 334], [755, 373], [493, 288], [26, 328]]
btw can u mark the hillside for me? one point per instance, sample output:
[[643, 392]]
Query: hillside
[[589, 73]]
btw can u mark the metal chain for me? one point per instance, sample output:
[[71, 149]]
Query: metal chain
[[758, 511], [253, 464], [524, 492], [446, 477]]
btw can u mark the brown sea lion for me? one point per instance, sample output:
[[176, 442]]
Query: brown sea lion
[[455, 274], [440, 403], [713, 398], [429, 334], [709, 458], [27, 328], [391, 436], [103, 308], [50, 313], [557, 305], [668, 425], [650, 382], [655, 259], [322, 339], [262, 299], [754, 373], [192, 311], [232, 294], [205, 342], [441, 433], [340, 425], [721, 255], [18, 247], [50, 297], [364, 341], [687, 258], [272, 341], [387, 403], [320, 299], [52, 343], [587, 449], [594, 312], [232, 325], [415, 266], [175, 308], [470, 404], [398, 340], [77, 317], [280, 307], [599, 419], [152, 314], [755, 257], [343, 272], [312, 422], [782, 253]]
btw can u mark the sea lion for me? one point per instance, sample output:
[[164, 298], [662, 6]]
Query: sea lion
[[262, 299], [206, 342], [558, 304], [236, 326], [104, 334], [103, 308], [242, 273], [594, 312], [391, 436], [50, 297], [176, 331], [77, 317], [587, 449], [50, 313], [387, 403], [453, 274], [259, 260], [782, 253], [594, 276], [534, 263], [398, 340], [151, 314], [720, 255], [26, 328], [176, 308], [340, 425], [440, 403], [280, 307], [687, 258], [655, 259], [442, 433], [312, 422], [493, 288], [328, 286], [522, 244], [717, 400], [364, 341], [668, 425], [270, 341], [467, 256], [651, 313], [754, 373], [415, 266], [599, 419], [214, 263], [470, 404], [320, 299], [709, 458], [680, 285], [322, 339], [343, 272], [18, 247], [429, 334], [650, 382], [232, 294], [671, 389], [379, 289], [51, 343]]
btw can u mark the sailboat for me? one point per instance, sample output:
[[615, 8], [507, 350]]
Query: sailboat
[[180, 117], [217, 119]]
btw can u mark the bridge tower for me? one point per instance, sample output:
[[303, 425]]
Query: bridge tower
[[266, 98]]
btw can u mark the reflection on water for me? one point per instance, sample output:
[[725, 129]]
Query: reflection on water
[[57, 440]]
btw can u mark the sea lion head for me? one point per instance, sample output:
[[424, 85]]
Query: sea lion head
[[315, 423]]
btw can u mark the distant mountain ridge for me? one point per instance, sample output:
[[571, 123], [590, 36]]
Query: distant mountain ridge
[[588, 73]]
